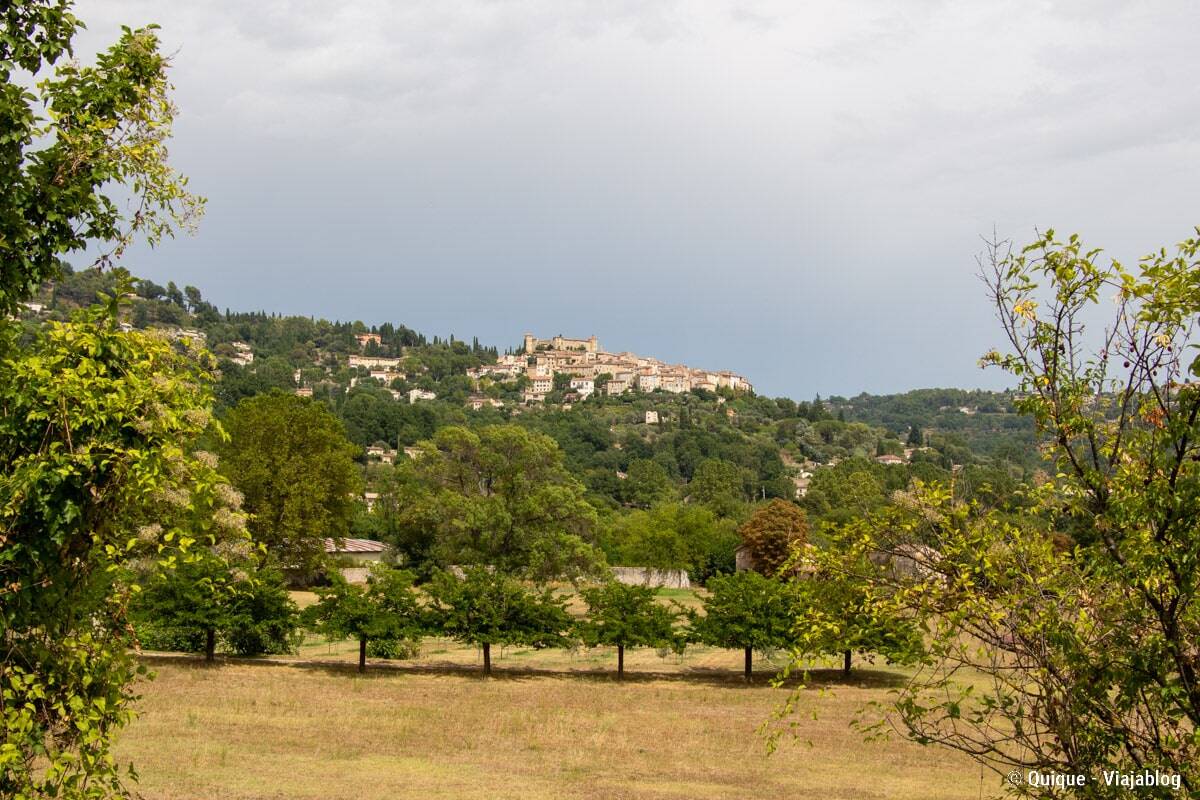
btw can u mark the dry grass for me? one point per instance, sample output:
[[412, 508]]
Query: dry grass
[[270, 729]]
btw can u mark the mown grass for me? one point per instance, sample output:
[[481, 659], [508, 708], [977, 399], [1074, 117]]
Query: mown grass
[[433, 728]]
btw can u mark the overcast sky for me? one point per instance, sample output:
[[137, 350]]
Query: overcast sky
[[792, 190]]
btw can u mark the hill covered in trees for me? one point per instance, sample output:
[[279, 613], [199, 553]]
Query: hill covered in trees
[[692, 464]]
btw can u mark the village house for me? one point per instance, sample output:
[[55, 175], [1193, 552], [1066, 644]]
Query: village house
[[420, 394], [374, 362], [386, 376], [368, 338], [242, 354], [889, 459], [584, 387], [381, 453], [476, 402], [651, 417], [648, 381]]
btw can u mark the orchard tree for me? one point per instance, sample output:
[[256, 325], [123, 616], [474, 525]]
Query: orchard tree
[[487, 607], [290, 458], [622, 615], [838, 611], [213, 595], [386, 609], [773, 534], [749, 611]]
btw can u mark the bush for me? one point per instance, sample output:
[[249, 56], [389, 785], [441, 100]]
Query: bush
[[396, 649], [169, 638]]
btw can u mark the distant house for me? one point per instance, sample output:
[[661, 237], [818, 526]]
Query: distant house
[[354, 557], [476, 402], [242, 354], [420, 394], [381, 452], [368, 338], [889, 459], [583, 386], [651, 417]]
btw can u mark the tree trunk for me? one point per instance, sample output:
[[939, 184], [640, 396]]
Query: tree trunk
[[487, 659], [210, 645], [620, 662], [846, 664], [362, 654], [749, 662]]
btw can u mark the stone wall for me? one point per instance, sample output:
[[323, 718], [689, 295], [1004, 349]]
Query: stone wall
[[656, 578]]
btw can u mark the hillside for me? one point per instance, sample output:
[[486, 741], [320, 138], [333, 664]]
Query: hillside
[[393, 387]]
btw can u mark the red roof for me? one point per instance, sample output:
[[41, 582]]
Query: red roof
[[355, 546]]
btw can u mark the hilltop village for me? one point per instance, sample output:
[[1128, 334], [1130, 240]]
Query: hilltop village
[[589, 369]]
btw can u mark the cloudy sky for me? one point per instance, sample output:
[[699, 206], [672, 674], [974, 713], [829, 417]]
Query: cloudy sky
[[793, 190]]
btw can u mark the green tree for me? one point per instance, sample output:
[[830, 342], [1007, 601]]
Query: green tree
[[487, 607], [620, 615], [76, 143], [915, 437], [502, 497], [1087, 654], [386, 609], [212, 596], [839, 611], [96, 471], [718, 484], [646, 483], [773, 535], [673, 536], [749, 611], [290, 459]]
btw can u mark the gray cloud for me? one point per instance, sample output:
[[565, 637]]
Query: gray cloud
[[791, 190]]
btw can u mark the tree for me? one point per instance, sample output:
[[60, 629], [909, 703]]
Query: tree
[[720, 485], [96, 470], [80, 146], [915, 437], [487, 607], [1086, 654], [386, 608], [502, 497], [79, 143], [621, 615], [646, 483], [185, 607], [840, 611], [215, 595], [673, 536], [290, 459], [773, 534], [749, 611]]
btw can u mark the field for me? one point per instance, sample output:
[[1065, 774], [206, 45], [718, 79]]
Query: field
[[550, 725]]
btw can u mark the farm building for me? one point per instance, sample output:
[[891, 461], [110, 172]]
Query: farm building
[[354, 557]]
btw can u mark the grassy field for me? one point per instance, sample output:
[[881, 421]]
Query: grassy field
[[434, 729]]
